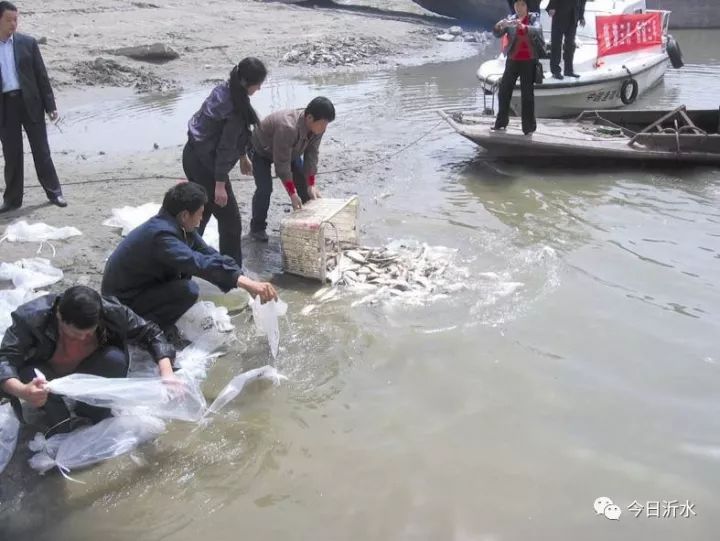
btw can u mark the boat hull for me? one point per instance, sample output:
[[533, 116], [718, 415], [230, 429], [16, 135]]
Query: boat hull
[[568, 139], [571, 100]]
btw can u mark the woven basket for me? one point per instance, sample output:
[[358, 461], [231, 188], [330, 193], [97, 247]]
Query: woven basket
[[319, 231]]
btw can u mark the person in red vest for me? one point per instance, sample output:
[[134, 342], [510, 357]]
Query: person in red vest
[[525, 44]]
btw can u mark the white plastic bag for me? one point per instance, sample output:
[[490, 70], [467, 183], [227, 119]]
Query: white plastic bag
[[30, 273], [128, 218], [85, 446], [9, 429], [236, 385], [39, 232], [202, 317], [10, 299], [140, 396], [266, 321]]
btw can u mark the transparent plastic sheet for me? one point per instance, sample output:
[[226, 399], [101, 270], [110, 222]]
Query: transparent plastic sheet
[[236, 385], [266, 317], [38, 232], [107, 439], [9, 429], [138, 396], [128, 218], [30, 273], [10, 299]]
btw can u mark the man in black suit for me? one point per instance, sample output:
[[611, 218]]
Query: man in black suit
[[26, 96], [566, 14]]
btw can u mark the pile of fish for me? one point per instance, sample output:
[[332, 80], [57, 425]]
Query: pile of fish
[[410, 272]]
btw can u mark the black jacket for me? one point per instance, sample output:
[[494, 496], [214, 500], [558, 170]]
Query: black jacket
[[534, 29], [159, 251], [34, 82], [32, 338], [565, 8], [219, 135]]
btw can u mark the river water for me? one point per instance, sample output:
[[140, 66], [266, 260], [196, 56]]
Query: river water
[[579, 360]]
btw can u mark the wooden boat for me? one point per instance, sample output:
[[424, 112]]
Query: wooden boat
[[679, 136]]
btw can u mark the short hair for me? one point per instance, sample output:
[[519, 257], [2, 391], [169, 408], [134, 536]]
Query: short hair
[[81, 307], [6, 6], [184, 196], [321, 108]]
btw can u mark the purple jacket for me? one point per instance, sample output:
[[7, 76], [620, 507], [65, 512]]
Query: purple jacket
[[219, 135]]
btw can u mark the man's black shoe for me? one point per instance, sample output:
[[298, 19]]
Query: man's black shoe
[[572, 74], [557, 76], [6, 207], [59, 201]]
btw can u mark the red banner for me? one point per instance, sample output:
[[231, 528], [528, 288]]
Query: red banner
[[624, 33]]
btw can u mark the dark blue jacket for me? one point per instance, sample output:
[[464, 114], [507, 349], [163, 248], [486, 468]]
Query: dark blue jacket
[[219, 134], [160, 251]]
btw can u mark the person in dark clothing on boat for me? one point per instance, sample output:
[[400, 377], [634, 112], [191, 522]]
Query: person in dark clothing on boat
[[524, 46], [151, 269], [76, 332], [566, 14], [291, 140], [218, 137]]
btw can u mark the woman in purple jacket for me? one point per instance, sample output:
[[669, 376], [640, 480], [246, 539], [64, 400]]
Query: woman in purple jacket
[[218, 137]]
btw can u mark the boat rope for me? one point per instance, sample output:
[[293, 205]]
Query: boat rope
[[357, 166]]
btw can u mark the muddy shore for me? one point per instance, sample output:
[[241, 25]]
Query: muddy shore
[[208, 40]]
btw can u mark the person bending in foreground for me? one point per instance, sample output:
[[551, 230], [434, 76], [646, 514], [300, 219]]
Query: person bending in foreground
[[290, 139], [151, 270], [76, 332]]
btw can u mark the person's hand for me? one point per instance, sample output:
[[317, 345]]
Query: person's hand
[[246, 167], [582, 22], [313, 192], [264, 290], [551, 12], [221, 196], [54, 116], [296, 201], [36, 392]]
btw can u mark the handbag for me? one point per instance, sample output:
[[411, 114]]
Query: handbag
[[539, 73]]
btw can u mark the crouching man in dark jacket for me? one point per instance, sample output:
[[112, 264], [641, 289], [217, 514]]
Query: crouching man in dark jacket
[[76, 332], [151, 270]]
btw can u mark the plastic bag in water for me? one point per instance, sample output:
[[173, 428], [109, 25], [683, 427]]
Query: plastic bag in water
[[138, 396], [237, 384], [85, 446], [24, 232], [266, 321], [202, 317], [9, 428], [30, 273]]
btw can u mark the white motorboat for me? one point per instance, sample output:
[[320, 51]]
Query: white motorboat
[[609, 82]]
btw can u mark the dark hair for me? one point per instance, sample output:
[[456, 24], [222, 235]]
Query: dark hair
[[185, 196], [250, 71], [6, 6], [81, 307], [321, 108]]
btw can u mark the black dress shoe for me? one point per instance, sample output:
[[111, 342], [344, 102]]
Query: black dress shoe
[[59, 201], [572, 74], [7, 207], [557, 76]]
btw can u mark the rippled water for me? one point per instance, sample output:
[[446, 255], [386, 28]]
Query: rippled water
[[580, 361]]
